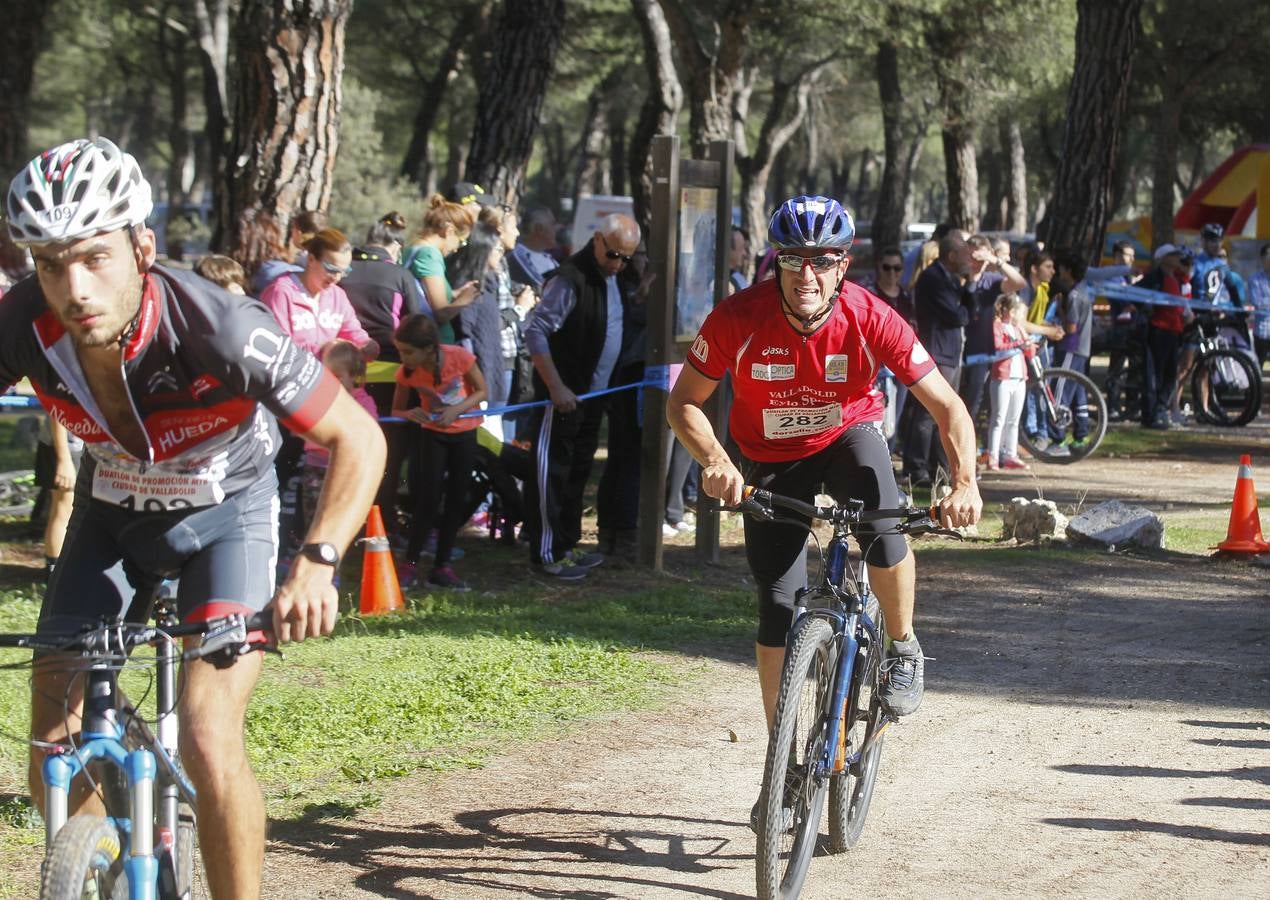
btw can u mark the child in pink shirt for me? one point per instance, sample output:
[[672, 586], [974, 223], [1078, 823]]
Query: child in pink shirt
[[449, 383]]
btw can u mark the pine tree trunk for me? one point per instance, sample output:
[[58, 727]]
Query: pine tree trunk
[[286, 121], [888, 219], [1106, 39], [525, 40], [660, 112], [26, 27], [591, 158], [417, 164], [961, 172], [711, 76], [1016, 175]]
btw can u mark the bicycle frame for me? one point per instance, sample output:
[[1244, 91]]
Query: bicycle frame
[[851, 593], [103, 739]]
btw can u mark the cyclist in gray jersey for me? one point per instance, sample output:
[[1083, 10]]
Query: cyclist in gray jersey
[[176, 387]]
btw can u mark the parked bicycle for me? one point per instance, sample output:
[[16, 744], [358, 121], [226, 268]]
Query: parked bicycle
[[826, 740], [1225, 379], [146, 846], [1071, 414]]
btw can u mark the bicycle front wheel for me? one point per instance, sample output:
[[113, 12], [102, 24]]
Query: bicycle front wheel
[[84, 861], [1226, 389], [793, 796], [851, 790], [1072, 413]]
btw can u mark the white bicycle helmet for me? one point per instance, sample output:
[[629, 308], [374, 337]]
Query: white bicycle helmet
[[76, 190]]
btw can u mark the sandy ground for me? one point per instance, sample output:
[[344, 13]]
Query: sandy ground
[[1092, 730]]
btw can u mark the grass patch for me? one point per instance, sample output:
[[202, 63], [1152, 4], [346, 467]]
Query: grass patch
[[436, 688], [14, 457], [1130, 441]]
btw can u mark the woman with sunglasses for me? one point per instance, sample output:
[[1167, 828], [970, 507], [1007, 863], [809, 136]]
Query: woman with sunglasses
[[310, 304], [803, 351]]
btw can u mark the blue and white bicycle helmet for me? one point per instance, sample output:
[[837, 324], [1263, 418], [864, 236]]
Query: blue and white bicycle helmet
[[802, 222]]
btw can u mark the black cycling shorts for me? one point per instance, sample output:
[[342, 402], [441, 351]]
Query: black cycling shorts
[[855, 466], [113, 559]]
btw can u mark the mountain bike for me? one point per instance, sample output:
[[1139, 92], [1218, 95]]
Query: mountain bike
[[826, 741], [146, 846], [1072, 414], [1225, 381]]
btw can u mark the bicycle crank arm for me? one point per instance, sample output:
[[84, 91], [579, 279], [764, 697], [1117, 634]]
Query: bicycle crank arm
[[887, 721]]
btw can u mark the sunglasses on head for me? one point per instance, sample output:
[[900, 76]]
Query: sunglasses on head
[[888, 268], [334, 269], [792, 262], [613, 254]]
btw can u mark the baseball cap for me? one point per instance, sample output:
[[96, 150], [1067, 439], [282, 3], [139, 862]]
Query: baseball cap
[[1212, 231], [1164, 250], [467, 192]]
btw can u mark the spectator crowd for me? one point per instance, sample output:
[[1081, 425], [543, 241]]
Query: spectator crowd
[[448, 331]]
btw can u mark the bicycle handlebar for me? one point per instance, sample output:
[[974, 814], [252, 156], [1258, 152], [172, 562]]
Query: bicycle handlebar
[[913, 520], [232, 635]]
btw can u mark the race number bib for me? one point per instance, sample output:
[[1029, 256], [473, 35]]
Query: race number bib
[[157, 490], [802, 421]]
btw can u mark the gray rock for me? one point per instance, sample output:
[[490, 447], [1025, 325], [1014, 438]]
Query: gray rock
[[1115, 524], [1028, 521]]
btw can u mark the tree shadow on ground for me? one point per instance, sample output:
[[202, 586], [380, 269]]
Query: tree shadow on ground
[[499, 850], [1195, 832]]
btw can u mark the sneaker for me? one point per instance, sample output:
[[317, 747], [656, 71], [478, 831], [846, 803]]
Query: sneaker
[[1040, 442], [1160, 425], [685, 527], [443, 576], [992, 465], [903, 668], [669, 531], [1076, 445], [584, 560], [1058, 450], [407, 574], [565, 570], [1011, 462]]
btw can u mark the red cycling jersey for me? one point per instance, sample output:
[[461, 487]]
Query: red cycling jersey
[[796, 393]]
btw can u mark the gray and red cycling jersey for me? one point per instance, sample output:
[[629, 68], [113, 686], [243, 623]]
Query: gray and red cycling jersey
[[207, 372]]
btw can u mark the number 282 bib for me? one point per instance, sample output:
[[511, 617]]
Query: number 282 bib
[[801, 421]]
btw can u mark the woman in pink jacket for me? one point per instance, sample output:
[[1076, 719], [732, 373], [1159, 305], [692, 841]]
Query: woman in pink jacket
[[314, 310], [311, 306]]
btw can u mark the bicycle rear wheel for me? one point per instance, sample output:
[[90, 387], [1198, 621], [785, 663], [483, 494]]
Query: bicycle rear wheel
[[1226, 389], [1072, 413], [84, 861], [793, 796], [851, 790]]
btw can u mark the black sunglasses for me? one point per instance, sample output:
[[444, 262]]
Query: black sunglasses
[[885, 268], [613, 254]]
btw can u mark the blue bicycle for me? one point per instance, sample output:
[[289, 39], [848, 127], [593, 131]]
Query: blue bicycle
[[830, 719], [146, 846]]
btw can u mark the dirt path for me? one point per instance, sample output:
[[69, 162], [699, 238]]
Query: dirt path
[[1092, 729]]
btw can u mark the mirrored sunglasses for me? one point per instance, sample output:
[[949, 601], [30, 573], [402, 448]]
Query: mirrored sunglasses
[[792, 262], [334, 269]]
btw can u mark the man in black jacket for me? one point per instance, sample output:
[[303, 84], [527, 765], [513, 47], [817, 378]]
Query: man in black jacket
[[575, 338], [942, 313]]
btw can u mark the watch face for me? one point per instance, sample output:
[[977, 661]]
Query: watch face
[[325, 553]]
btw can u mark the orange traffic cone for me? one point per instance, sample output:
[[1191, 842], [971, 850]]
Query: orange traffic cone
[[1244, 533], [381, 592]]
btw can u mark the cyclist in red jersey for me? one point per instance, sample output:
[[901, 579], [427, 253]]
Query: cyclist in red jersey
[[176, 387], [804, 351]]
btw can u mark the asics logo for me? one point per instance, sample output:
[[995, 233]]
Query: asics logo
[[775, 351]]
